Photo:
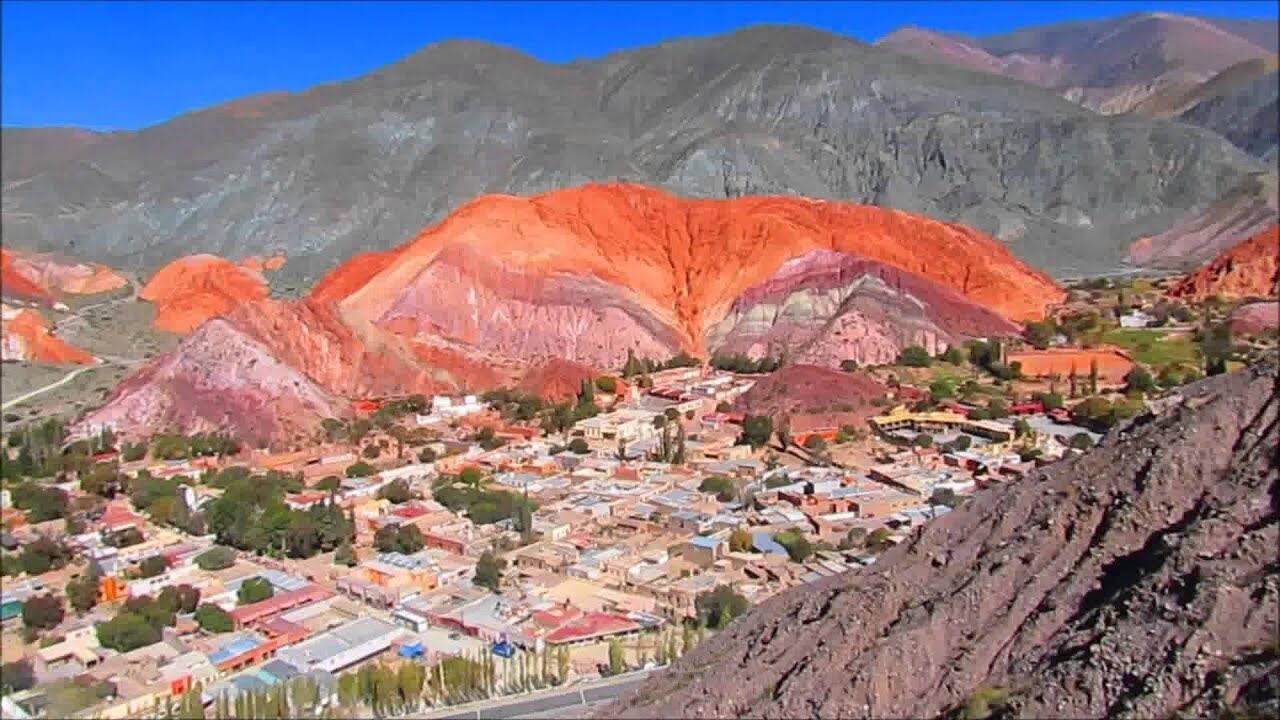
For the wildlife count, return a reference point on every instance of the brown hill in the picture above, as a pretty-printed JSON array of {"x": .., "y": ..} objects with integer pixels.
[
  {"x": 587, "y": 274},
  {"x": 1138, "y": 580},
  {"x": 1250, "y": 269}
]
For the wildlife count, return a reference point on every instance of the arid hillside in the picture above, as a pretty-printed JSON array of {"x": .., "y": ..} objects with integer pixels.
[
  {"x": 1249, "y": 269},
  {"x": 1138, "y": 580}
]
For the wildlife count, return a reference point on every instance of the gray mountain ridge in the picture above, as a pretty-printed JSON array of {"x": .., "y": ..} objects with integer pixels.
[{"x": 365, "y": 163}]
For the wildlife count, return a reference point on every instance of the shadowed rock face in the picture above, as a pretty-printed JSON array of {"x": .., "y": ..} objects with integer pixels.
[
  {"x": 1139, "y": 580},
  {"x": 359, "y": 165}
]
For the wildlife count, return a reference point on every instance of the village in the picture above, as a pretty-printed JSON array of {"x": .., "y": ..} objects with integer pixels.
[{"x": 497, "y": 542}]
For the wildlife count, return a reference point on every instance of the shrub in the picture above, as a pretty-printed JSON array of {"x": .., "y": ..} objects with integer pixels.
[
  {"x": 489, "y": 571},
  {"x": 254, "y": 590},
  {"x": 216, "y": 558},
  {"x": 214, "y": 619},
  {"x": 848, "y": 365},
  {"x": 914, "y": 356},
  {"x": 797, "y": 545},
  {"x": 360, "y": 468},
  {"x": 579, "y": 446},
  {"x": 815, "y": 443},
  {"x": 606, "y": 384},
  {"x": 723, "y": 487},
  {"x": 42, "y": 612},
  {"x": 152, "y": 566}
]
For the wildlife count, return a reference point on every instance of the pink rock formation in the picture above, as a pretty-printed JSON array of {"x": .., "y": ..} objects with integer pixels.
[
  {"x": 1255, "y": 318},
  {"x": 73, "y": 278}
]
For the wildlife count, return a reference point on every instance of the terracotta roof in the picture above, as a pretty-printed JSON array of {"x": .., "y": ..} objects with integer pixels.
[{"x": 592, "y": 624}]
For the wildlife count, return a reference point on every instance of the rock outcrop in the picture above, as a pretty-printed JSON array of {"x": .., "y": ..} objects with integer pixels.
[
  {"x": 192, "y": 289},
  {"x": 557, "y": 380},
  {"x": 1255, "y": 318},
  {"x": 1138, "y": 580},
  {"x": 55, "y": 277},
  {"x": 25, "y": 335},
  {"x": 1250, "y": 269}
]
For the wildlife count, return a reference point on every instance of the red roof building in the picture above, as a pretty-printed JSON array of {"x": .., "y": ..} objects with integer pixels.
[
  {"x": 255, "y": 612},
  {"x": 117, "y": 516},
  {"x": 592, "y": 626}
]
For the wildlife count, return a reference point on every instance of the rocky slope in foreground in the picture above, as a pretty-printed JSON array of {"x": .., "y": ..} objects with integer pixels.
[
  {"x": 1139, "y": 580},
  {"x": 587, "y": 274}
]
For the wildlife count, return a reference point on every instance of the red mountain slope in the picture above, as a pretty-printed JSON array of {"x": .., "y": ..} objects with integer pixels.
[{"x": 1249, "y": 269}]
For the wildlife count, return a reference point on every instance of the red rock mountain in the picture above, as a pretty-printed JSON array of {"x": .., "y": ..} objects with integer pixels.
[
  {"x": 1249, "y": 269},
  {"x": 25, "y": 335},
  {"x": 41, "y": 277},
  {"x": 192, "y": 289},
  {"x": 589, "y": 273}
]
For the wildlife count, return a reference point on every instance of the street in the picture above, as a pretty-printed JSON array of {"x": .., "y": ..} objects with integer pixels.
[{"x": 572, "y": 702}]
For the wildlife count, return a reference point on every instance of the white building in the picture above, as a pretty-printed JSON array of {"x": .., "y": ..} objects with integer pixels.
[
  {"x": 627, "y": 425},
  {"x": 1136, "y": 319},
  {"x": 343, "y": 646},
  {"x": 444, "y": 408}
]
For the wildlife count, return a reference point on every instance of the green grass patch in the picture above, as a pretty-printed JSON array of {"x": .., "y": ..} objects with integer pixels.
[{"x": 1156, "y": 348}]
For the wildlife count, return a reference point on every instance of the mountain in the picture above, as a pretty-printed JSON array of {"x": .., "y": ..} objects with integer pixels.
[
  {"x": 1137, "y": 580},
  {"x": 1249, "y": 269},
  {"x": 358, "y": 165},
  {"x": 593, "y": 273},
  {"x": 1112, "y": 65},
  {"x": 192, "y": 289},
  {"x": 37, "y": 277},
  {"x": 25, "y": 335},
  {"x": 1247, "y": 208}
]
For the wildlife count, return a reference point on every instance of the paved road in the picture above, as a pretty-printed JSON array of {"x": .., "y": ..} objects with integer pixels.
[{"x": 568, "y": 703}]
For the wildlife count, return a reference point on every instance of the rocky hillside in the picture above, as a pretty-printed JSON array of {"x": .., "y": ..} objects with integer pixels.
[
  {"x": 1139, "y": 580},
  {"x": 359, "y": 165},
  {"x": 1249, "y": 207},
  {"x": 591, "y": 273},
  {"x": 1112, "y": 65},
  {"x": 1249, "y": 269}
]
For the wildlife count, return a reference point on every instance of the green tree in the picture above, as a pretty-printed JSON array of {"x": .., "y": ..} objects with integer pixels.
[
  {"x": 941, "y": 389},
  {"x": 42, "y": 612},
  {"x": 740, "y": 541},
  {"x": 996, "y": 409},
  {"x": 914, "y": 356},
  {"x": 878, "y": 540},
  {"x": 396, "y": 492},
  {"x": 17, "y": 676},
  {"x": 1040, "y": 333},
  {"x": 723, "y": 487},
  {"x": 127, "y": 631},
  {"x": 214, "y": 619},
  {"x": 329, "y": 483},
  {"x": 953, "y": 355},
  {"x": 488, "y": 572},
  {"x": 562, "y": 664},
  {"x": 579, "y": 446},
  {"x": 945, "y": 496},
  {"x": 216, "y": 558},
  {"x": 344, "y": 555},
  {"x": 82, "y": 592},
  {"x": 360, "y": 468},
  {"x": 1021, "y": 428},
  {"x": 720, "y": 606},
  {"x": 42, "y": 555},
  {"x": 254, "y": 590},
  {"x": 797, "y": 545},
  {"x": 1050, "y": 400},
  {"x": 617, "y": 663},
  {"x": 1080, "y": 441},
  {"x": 1139, "y": 379},
  {"x": 152, "y": 566},
  {"x": 756, "y": 430},
  {"x": 923, "y": 440}
]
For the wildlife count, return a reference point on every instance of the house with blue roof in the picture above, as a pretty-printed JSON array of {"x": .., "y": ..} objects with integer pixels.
[{"x": 763, "y": 542}]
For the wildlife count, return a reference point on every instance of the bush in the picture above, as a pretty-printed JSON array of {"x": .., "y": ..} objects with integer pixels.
[
  {"x": 756, "y": 430},
  {"x": 723, "y": 487},
  {"x": 922, "y": 440},
  {"x": 579, "y": 446},
  {"x": 489, "y": 571},
  {"x": 329, "y": 483},
  {"x": 740, "y": 541},
  {"x": 214, "y": 619},
  {"x": 953, "y": 356},
  {"x": 1139, "y": 379},
  {"x": 1080, "y": 441},
  {"x": 606, "y": 384},
  {"x": 815, "y": 443},
  {"x": 797, "y": 545},
  {"x": 42, "y": 555},
  {"x": 396, "y": 492},
  {"x": 360, "y": 468},
  {"x": 1050, "y": 400},
  {"x": 849, "y": 365},
  {"x": 128, "y": 631},
  {"x": 254, "y": 590},
  {"x": 914, "y": 356},
  {"x": 717, "y": 608},
  {"x": 371, "y": 451},
  {"x": 17, "y": 676},
  {"x": 152, "y": 566},
  {"x": 42, "y": 612},
  {"x": 216, "y": 558}
]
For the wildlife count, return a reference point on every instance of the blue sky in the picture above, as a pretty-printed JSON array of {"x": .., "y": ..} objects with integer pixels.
[{"x": 124, "y": 65}]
